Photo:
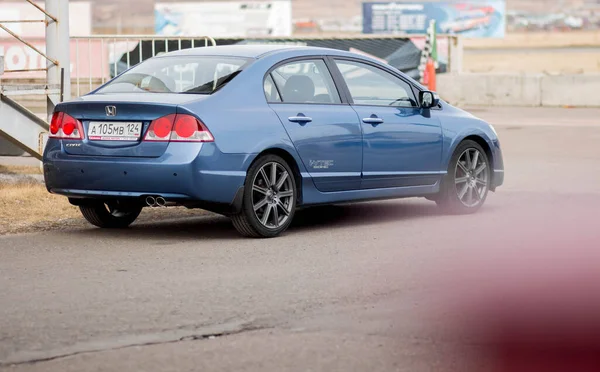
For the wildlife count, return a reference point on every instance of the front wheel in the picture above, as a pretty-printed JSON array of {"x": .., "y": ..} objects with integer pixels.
[
  {"x": 269, "y": 199},
  {"x": 465, "y": 187},
  {"x": 113, "y": 215}
]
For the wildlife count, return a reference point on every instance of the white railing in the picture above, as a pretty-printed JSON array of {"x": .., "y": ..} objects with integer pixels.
[
  {"x": 98, "y": 57},
  {"x": 19, "y": 125},
  {"x": 53, "y": 85}
]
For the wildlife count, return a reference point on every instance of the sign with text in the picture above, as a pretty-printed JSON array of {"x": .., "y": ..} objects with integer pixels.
[
  {"x": 224, "y": 19},
  {"x": 474, "y": 18},
  {"x": 93, "y": 58}
]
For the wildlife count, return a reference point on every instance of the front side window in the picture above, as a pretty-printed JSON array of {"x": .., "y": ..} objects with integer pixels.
[
  {"x": 370, "y": 85},
  {"x": 305, "y": 82},
  {"x": 193, "y": 74}
]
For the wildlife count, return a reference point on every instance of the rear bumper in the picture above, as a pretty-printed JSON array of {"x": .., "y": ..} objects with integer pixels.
[{"x": 185, "y": 173}]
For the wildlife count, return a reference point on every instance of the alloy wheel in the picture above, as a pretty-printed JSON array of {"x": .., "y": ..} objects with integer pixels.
[
  {"x": 471, "y": 177},
  {"x": 272, "y": 195}
]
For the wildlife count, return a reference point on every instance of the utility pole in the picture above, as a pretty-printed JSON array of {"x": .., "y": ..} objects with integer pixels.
[{"x": 58, "y": 49}]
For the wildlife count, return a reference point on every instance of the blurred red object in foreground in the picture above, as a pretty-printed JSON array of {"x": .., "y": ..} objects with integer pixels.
[{"x": 532, "y": 309}]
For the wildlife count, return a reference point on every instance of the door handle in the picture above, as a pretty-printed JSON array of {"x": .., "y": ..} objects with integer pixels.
[
  {"x": 300, "y": 119},
  {"x": 373, "y": 121}
]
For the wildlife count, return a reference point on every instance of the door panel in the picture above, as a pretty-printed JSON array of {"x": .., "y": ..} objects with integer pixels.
[
  {"x": 326, "y": 134},
  {"x": 404, "y": 150},
  {"x": 330, "y": 144},
  {"x": 401, "y": 146}
]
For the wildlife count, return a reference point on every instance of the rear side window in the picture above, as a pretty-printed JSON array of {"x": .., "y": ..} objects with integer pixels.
[
  {"x": 307, "y": 81},
  {"x": 271, "y": 90},
  {"x": 193, "y": 74}
]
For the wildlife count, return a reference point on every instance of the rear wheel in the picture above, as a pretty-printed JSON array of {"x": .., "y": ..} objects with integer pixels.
[
  {"x": 466, "y": 186},
  {"x": 113, "y": 215},
  {"x": 269, "y": 199}
]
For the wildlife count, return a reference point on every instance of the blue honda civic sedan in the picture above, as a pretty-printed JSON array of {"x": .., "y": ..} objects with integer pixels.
[{"x": 256, "y": 132}]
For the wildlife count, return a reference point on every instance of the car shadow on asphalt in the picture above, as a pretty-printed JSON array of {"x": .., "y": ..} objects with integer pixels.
[
  {"x": 209, "y": 227},
  {"x": 361, "y": 214}
]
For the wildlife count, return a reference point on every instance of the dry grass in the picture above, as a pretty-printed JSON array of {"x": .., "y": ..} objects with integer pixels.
[
  {"x": 28, "y": 207},
  {"x": 19, "y": 169},
  {"x": 23, "y": 206}
]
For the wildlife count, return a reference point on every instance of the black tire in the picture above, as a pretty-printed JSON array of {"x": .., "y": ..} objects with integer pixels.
[
  {"x": 111, "y": 216},
  {"x": 247, "y": 222},
  {"x": 449, "y": 197}
]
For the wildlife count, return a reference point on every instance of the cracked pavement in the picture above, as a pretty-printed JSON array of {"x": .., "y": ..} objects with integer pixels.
[{"x": 347, "y": 288}]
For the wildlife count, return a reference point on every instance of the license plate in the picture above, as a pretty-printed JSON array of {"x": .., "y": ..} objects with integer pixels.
[{"x": 114, "y": 131}]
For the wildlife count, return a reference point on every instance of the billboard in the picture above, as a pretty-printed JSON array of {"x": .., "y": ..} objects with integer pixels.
[
  {"x": 224, "y": 19},
  {"x": 471, "y": 18}
]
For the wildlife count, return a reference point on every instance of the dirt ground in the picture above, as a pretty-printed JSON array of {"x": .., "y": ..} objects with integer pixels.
[
  {"x": 19, "y": 169},
  {"x": 549, "y": 53},
  {"x": 537, "y": 40},
  {"x": 533, "y": 61}
]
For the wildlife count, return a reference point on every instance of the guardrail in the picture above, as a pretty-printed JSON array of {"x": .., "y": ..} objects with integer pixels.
[{"x": 100, "y": 57}]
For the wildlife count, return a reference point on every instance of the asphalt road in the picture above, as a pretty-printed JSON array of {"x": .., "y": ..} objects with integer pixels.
[{"x": 347, "y": 288}]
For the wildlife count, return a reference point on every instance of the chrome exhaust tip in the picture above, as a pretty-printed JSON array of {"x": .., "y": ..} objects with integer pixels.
[
  {"x": 150, "y": 201},
  {"x": 161, "y": 202}
]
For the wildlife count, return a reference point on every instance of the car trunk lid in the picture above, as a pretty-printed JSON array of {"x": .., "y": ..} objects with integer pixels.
[{"x": 115, "y": 124}]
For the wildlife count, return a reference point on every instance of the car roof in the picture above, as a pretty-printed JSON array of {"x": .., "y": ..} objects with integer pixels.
[{"x": 247, "y": 51}]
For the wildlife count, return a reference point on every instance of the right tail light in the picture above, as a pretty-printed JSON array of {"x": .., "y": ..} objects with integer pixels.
[{"x": 178, "y": 128}]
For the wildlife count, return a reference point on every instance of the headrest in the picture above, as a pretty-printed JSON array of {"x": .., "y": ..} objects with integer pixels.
[{"x": 298, "y": 88}]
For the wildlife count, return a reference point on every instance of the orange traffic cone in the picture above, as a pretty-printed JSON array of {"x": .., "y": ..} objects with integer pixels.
[{"x": 430, "y": 74}]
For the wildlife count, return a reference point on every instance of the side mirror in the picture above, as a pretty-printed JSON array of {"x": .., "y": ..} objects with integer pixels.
[{"x": 428, "y": 99}]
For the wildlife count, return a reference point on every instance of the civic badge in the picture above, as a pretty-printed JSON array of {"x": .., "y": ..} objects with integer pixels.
[{"x": 111, "y": 110}]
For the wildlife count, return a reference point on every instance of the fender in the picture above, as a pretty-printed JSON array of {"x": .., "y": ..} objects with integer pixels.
[
  {"x": 286, "y": 146},
  {"x": 457, "y": 138}
]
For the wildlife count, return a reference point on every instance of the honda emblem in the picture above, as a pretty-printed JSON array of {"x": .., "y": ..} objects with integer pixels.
[{"x": 111, "y": 111}]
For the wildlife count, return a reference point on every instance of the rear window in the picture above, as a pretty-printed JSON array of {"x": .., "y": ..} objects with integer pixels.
[{"x": 194, "y": 75}]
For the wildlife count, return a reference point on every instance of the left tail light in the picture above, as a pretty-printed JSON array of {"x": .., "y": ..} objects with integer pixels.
[{"x": 64, "y": 126}]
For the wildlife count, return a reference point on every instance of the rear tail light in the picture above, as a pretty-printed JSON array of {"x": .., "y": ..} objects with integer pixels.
[
  {"x": 178, "y": 128},
  {"x": 64, "y": 126},
  {"x": 190, "y": 129},
  {"x": 160, "y": 129}
]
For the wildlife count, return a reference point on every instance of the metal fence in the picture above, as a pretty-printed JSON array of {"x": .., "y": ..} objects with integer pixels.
[{"x": 96, "y": 59}]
